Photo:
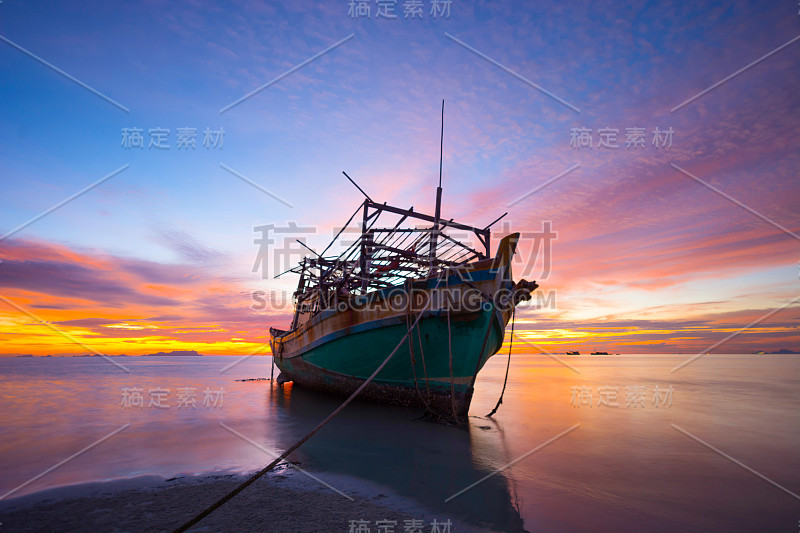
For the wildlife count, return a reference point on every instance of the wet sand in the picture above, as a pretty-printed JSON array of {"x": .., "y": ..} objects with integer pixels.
[{"x": 286, "y": 500}]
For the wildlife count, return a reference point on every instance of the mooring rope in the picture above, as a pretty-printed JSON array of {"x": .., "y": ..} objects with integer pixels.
[
  {"x": 508, "y": 364},
  {"x": 430, "y": 413},
  {"x": 219, "y": 503},
  {"x": 411, "y": 353}
]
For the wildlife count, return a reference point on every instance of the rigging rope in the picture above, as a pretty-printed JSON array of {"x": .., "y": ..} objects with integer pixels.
[
  {"x": 422, "y": 353},
  {"x": 450, "y": 346},
  {"x": 411, "y": 351},
  {"x": 508, "y": 365}
]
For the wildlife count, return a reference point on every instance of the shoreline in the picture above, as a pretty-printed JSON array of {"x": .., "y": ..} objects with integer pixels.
[{"x": 283, "y": 500}]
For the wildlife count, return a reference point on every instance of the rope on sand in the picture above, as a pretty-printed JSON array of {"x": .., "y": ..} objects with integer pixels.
[{"x": 219, "y": 503}]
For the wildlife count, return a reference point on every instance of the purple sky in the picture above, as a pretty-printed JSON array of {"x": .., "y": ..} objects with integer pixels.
[{"x": 648, "y": 258}]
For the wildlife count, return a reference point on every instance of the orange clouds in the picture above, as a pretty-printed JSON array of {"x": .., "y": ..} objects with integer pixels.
[{"x": 119, "y": 305}]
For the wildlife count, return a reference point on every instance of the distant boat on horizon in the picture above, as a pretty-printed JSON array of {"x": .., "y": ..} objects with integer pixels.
[
  {"x": 576, "y": 352},
  {"x": 599, "y": 353}
]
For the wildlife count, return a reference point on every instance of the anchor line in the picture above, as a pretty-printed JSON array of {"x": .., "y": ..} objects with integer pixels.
[
  {"x": 508, "y": 364},
  {"x": 219, "y": 503}
]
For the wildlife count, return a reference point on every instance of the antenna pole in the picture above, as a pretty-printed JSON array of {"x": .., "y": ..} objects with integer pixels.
[
  {"x": 435, "y": 232},
  {"x": 441, "y": 147}
]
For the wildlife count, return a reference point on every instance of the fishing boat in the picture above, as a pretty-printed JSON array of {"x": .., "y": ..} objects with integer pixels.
[
  {"x": 574, "y": 353},
  {"x": 418, "y": 293}
]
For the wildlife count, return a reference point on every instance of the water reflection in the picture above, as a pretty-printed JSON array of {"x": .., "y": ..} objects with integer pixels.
[{"x": 394, "y": 447}]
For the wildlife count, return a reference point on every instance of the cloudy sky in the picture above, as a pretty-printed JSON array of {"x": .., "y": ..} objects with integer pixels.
[{"x": 677, "y": 227}]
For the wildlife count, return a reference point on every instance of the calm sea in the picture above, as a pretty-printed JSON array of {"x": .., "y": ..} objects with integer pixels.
[{"x": 615, "y": 443}]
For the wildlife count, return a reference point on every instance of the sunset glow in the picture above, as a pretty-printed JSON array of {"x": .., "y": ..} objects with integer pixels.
[{"x": 161, "y": 256}]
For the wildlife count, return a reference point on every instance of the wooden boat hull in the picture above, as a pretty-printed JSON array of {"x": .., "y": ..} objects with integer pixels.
[
  {"x": 337, "y": 350},
  {"x": 403, "y": 382}
]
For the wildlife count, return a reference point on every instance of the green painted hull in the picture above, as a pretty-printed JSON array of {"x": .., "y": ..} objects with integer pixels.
[{"x": 418, "y": 374}]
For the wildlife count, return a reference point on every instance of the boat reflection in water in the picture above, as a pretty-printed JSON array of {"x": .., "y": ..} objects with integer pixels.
[{"x": 395, "y": 448}]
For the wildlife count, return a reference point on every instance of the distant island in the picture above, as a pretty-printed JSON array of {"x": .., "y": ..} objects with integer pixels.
[
  {"x": 176, "y": 353},
  {"x": 781, "y": 351}
]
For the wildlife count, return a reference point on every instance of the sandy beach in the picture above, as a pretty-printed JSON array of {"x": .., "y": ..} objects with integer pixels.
[{"x": 286, "y": 500}]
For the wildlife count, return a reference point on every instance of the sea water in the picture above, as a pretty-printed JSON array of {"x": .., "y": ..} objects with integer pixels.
[{"x": 580, "y": 443}]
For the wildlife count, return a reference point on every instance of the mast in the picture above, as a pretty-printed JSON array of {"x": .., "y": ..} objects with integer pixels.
[{"x": 437, "y": 214}]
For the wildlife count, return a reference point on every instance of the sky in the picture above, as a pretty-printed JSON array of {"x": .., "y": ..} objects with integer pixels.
[{"x": 677, "y": 228}]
